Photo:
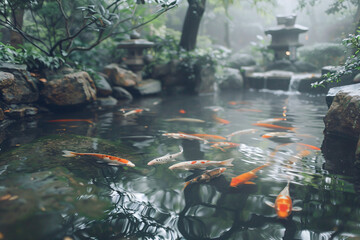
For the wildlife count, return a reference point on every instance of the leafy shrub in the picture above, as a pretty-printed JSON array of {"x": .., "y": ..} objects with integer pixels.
[
  {"x": 352, "y": 63},
  {"x": 34, "y": 60},
  {"x": 167, "y": 49},
  {"x": 322, "y": 54}
]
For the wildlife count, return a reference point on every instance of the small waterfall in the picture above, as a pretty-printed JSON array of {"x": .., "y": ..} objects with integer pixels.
[{"x": 296, "y": 79}]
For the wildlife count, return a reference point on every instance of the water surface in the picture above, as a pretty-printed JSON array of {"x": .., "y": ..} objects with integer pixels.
[{"x": 47, "y": 196}]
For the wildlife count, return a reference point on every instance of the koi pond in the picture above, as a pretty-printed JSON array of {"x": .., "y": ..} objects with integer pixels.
[{"x": 45, "y": 195}]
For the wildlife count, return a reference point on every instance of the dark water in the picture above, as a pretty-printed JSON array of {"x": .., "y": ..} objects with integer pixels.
[{"x": 46, "y": 196}]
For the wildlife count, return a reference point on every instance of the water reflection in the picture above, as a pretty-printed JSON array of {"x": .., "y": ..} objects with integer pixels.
[{"x": 147, "y": 202}]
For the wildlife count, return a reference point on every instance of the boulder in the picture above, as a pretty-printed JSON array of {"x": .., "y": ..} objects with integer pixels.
[
  {"x": 70, "y": 90},
  {"x": 239, "y": 60},
  {"x": 352, "y": 89},
  {"x": 106, "y": 101},
  {"x": 232, "y": 79},
  {"x": 146, "y": 87},
  {"x": 119, "y": 76},
  {"x": 102, "y": 85},
  {"x": 121, "y": 93},
  {"x": 6, "y": 79},
  {"x": 343, "y": 116},
  {"x": 23, "y": 89}
]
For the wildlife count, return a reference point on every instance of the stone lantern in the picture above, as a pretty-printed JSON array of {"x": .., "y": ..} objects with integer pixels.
[
  {"x": 285, "y": 37},
  {"x": 135, "y": 58}
]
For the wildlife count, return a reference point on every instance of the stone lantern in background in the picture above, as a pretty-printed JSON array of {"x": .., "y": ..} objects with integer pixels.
[
  {"x": 135, "y": 61},
  {"x": 285, "y": 37}
]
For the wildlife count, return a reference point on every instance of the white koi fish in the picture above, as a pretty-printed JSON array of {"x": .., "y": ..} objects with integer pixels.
[
  {"x": 195, "y": 120},
  {"x": 245, "y": 131},
  {"x": 283, "y": 203},
  {"x": 167, "y": 158},
  {"x": 184, "y": 136},
  {"x": 271, "y": 120},
  {"x": 201, "y": 164}
]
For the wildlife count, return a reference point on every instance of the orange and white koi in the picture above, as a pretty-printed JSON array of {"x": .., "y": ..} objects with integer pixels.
[
  {"x": 299, "y": 156},
  {"x": 271, "y": 120},
  {"x": 245, "y": 177},
  {"x": 267, "y": 125},
  {"x": 184, "y": 136},
  {"x": 167, "y": 158},
  {"x": 222, "y": 145},
  {"x": 220, "y": 120},
  {"x": 201, "y": 164},
  {"x": 184, "y": 120},
  {"x": 206, "y": 176},
  {"x": 139, "y": 110},
  {"x": 283, "y": 203},
  {"x": 208, "y": 136},
  {"x": 112, "y": 160},
  {"x": 72, "y": 120},
  {"x": 245, "y": 131}
]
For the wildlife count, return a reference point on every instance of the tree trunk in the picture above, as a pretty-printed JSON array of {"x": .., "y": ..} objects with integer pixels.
[
  {"x": 15, "y": 38},
  {"x": 191, "y": 25}
]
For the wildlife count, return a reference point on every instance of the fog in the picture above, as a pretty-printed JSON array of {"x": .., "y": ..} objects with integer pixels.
[{"x": 246, "y": 22}]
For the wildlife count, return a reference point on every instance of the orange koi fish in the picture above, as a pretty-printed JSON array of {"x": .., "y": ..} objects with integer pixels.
[
  {"x": 206, "y": 176},
  {"x": 116, "y": 161},
  {"x": 245, "y": 177},
  {"x": 236, "y": 103},
  {"x": 182, "y": 111},
  {"x": 201, "y": 164},
  {"x": 283, "y": 203},
  {"x": 267, "y": 125},
  {"x": 72, "y": 120},
  {"x": 220, "y": 120},
  {"x": 309, "y": 146},
  {"x": 222, "y": 145},
  {"x": 271, "y": 120},
  {"x": 208, "y": 136}
]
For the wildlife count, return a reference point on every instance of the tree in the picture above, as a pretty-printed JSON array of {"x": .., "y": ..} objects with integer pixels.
[
  {"x": 191, "y": 24},
  {"x": 59, "y": 27}
]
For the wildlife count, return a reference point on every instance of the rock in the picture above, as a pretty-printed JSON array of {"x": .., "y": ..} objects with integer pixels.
[
  {"x": 239, "y": 60},
  {"x": 343, "y": 116},
  {"x": 21, "y": 111},
  {"x": 357, "y": 78},
  {"x": 102, "y": 85},
  {"x": 146, "y": 87},
  {"x": 6, "y": 79},
  {"x": 162, "y": 70},
  {"x": 70, "y": 90},
  {"x": 119, "y": 76},
  {"x": 274, "y": 80},
  {"x": 2, "y": 115},
  {"x": 352, "y": 89},
  {"x": 204, "y": 81},
  {"x": 121, "y": 93},
  {"x": 106, "y": 101},
  {"x": 344, "y": 80},
  {"x": 23, "y": 89},
  {"x": 232, "y": 79}
]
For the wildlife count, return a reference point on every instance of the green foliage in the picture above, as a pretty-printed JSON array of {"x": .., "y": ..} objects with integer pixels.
[
  {"x": 322, "y": 54},
  {"x": 167, "y": 49},
  {"x": 33, "y": 59},
  {"x": 352, "y": 63}
]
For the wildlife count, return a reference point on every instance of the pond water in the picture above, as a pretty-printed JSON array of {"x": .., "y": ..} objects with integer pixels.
[{"x": 44, "y": 195}]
